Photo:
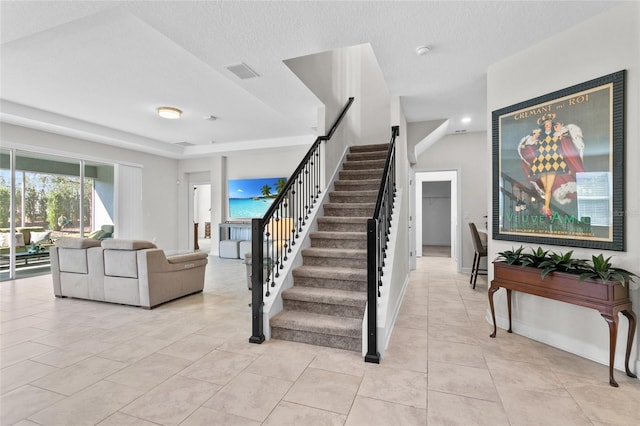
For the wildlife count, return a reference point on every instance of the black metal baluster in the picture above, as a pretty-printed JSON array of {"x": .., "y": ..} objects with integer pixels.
[{"x": 277, "y": 231}]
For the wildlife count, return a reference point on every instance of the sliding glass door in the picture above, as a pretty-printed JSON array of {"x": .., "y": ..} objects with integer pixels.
[{"x": 44, "y": 198}]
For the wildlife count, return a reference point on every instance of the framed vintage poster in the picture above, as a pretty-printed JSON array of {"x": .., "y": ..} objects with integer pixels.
[{"x": 558, "y": 167}]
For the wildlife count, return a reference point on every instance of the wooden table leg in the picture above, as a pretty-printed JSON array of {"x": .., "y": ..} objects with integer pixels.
[
  {"x": 493, "y": 311},
  {"x": 632, "y": 332},
  {"x": 509, "y": 308},
  {"x": 613, "y": 335}
]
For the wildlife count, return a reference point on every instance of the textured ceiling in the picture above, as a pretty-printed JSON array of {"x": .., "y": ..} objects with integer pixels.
[{"x": 98, "y": 69}]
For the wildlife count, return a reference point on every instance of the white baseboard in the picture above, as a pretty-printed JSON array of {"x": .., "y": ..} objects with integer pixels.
[{"x": 564, "y": 342}]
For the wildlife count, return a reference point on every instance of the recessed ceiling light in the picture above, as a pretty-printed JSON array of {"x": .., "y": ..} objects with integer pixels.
[
  {"x": 466, "y": 120},
  {"x": 169, "y": 112},
  {"x": 422, "y": 50}
]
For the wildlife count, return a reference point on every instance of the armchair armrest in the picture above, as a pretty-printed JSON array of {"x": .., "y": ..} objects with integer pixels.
[
  {"x": 187, "y": 257},
  {"x": 165, "y": 278},
  {"x": 158, "y": 262}
]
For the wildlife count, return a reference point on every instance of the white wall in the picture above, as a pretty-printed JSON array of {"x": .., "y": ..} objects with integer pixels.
[
  {"x": 239, "y": 165},
  {"x": 602, "y": 45},
  {"x": 335, "y": 76},
  {"x": 401, "y": 253},
  {"x": 325, "y": 74},
  {"x": 375, "y": 102},
  {"x": 159, "y": 205},
  {"x": 464, "y": 153}
]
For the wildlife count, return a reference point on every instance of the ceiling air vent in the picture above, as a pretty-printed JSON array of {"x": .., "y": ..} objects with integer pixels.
[
  {"x": 461, "y": 131},
  {"x": 185, "y": 144},
  {"x": 243, "y": 71}
]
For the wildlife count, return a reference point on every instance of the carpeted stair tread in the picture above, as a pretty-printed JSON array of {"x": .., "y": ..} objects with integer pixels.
[
  {"x": 349, "y": 209},
  {"x": 344, "y": 274},
  {"x": 326, "y": 296},
  {"x": 360, "y": 182},
  {"x": 344, "y": 219},
  {"x": 343, "y": 223},
  {"x": 317, "y": 323},
  {"x": 362, "y": 156},
  {"x": 364, "y": 164},
  {"x": 343, "y": 197},
  {"x": 368, "y": 148},
  {"x": 357, "y": 184},
  {"x": 360, "y": 173},
  {"x": 351, "y": 205},
  {"x": 339, "y": 235},
  {"x": 332, "y": 252},
  {"x": 371, "y": 192}
]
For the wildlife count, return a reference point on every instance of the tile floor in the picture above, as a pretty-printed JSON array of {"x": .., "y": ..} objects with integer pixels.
[{"x": 74, "y": 362}]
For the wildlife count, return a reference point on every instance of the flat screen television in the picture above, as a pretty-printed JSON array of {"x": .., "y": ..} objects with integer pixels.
[{"x": 249, "y": 198}]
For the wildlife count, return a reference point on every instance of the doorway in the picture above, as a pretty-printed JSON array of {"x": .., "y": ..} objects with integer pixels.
[
  {"x": 436, "y": 219},
  {"x": 437, "y": 213},
  {"x": 202, "y": 217}
]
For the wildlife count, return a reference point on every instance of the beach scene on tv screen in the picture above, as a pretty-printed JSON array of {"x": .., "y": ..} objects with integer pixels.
[{"x": 249, "y": 198}]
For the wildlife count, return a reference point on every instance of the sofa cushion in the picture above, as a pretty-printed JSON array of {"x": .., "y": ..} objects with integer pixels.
[
  {"x": 77, "y": 243},
  {"x": 96, "y": 235},
  {"x": 72, "y": 260},
  {"x": 119, "y": 244},
  {"x": 40, "y": 237},
  {"x": 121, "y": 263},
  {"x": 5, "y": 239}
]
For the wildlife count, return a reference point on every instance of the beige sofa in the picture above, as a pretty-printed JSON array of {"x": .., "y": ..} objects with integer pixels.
[{"x": 130, "y": 272}]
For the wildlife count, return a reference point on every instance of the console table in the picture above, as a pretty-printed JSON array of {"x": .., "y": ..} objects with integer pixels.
[
  {"x": 27, "y": 255},
  {"x": 608, "y": 298}
]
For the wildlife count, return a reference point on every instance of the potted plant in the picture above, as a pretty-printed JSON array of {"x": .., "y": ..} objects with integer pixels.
[
  {"x": 535, "y": 258},
  {"x": 564, "y": 262},
  {"x": 602, "y": 268}
]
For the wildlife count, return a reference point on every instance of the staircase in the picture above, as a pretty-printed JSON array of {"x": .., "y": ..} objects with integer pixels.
[{"x": 326, "y": 304}]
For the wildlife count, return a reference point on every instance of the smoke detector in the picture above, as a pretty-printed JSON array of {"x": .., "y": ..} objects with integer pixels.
[{"x": 422, "y": 50}]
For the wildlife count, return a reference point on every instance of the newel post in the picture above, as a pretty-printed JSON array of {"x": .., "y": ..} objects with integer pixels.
[
  {"x": 372, "y": 355},
  {"x": 257, "y": 279}
]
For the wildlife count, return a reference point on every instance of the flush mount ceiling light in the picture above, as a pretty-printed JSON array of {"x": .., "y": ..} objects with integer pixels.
[
  {"x": 422, "y": 50},
  {"x": 466, "y": 120},
  {"x": 169, "y": 112}
]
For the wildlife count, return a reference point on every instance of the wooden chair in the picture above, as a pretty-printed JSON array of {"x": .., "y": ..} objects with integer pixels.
[{"x": 480, "y": 251}]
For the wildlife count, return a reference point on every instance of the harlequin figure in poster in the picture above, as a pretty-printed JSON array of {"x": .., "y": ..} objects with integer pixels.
[{"x": 551, "y": 156}]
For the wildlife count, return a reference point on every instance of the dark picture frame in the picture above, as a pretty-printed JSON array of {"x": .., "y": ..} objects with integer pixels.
[{"x": 558, "y": 167}]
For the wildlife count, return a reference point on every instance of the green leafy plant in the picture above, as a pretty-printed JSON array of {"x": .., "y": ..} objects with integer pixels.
[
  {"x": 535, "y": 258},
  {"x": 562, "y": 263},
  {"x": 512, "y": 257},
  {"x": 601, "y": 268}
]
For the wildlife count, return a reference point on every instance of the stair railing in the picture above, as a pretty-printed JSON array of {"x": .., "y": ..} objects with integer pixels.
[
  {"x": 274, "y": 235},
  {"x": 378, "y": 230}
]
